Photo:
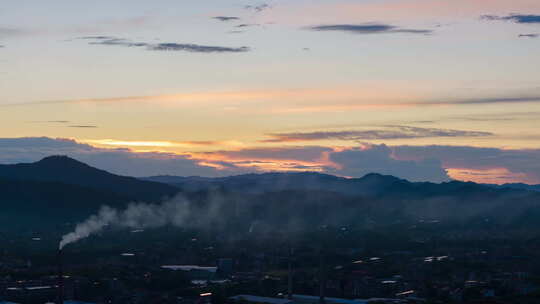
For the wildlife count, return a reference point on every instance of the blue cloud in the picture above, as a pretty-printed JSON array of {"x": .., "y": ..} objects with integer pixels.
[
  {"x": 258, "y": 8},
  {"x": 528, "y": 35},
  {"x": 390, "y": 132},
  {"x": 226, "y": 18},
  {"x": 196, "y": 48},
  {"x": 518, "y": 18},
  {"x": 368, "y": 28},
  {"x": 166, "y": 46}
]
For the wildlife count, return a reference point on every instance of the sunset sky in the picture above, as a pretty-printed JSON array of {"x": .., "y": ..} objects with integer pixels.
[{"x": 428, "y": 90}]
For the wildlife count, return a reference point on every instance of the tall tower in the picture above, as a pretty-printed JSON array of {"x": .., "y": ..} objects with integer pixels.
[
  {"x": 290, "y": 274},
  {"x": 322, "y": 276},
  {"x": 60, "y": 294}
]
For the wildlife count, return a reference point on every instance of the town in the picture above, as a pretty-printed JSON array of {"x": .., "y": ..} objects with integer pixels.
[{"x": 170, "y": 266}]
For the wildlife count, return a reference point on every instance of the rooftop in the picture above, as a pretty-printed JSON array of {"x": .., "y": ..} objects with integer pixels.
[
  {"x": 190, "y": 267},
  {"x": 258, "y": 299}
]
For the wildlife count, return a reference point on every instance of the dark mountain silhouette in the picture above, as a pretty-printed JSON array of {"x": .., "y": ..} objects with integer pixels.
[
  {"x": 520, "y": 186},
  {"x": 34, "y": 204},
  {"x": 70, "y": 171},
  {"x": 372, "y": 184},
  {"x": 267, "y": 182}
]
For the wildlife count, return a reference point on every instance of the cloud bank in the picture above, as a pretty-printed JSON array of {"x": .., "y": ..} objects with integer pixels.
[
  {"x": 416, "y": 163},
  {"x": 525, "y": 162},
  {"x": 356, "y": 162},
  {"x": 118, "y": 160}
]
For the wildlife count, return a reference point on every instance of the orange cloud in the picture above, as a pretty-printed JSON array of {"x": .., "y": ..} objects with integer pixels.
[
  {"x": 126, "y": 143},
  {"x": 490, "y": 176},
  {"x": 365, "y": 96},
  {"x": 158, "y": 146},
  {"x": 270, "y": 159},
  {"x": 338, "y": 98},
  {"x": 342, "y": 108},
  {"x": 370, "y": 96}
]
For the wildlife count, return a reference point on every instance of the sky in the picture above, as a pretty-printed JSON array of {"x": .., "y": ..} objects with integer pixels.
[{"x": 427, "y": 90}]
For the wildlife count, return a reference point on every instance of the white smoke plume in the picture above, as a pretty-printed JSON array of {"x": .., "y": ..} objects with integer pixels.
[{"x": 137, "y": 215}]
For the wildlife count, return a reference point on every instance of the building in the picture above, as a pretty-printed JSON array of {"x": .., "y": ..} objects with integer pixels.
[
  {"x": 306, "y": 299},
  {"x": 195, "y": 272},
  {"x": 225, "y": 267},
  {"x": 259, "y": 300}
]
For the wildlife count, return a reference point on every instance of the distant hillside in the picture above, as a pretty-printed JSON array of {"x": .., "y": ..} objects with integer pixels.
[
  {"x": 32, "y": 204},
  {"x": 518, "y": 186},
  {"x": 372, "y": 184},
  {"x": 305, "y": 199},
  {"x": 70, "y": 171}
]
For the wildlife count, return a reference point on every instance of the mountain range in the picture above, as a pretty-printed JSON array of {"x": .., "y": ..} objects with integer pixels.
[
  {"x": 370, "y": 184},
  {"x": 59, "y": 190}
]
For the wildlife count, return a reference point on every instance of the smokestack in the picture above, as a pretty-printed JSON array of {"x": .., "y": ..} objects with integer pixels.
[
  {"x": 322, "y": 277},
  {"x": 60, "y": 295},
  {"x": 290, "y": 278}
]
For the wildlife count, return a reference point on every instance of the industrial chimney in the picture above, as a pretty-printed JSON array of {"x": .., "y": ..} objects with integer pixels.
[
  {"x": 60, "y": 295},
  {"x": 322, "y": 277},
  {"x": 290, "y": 276}
]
